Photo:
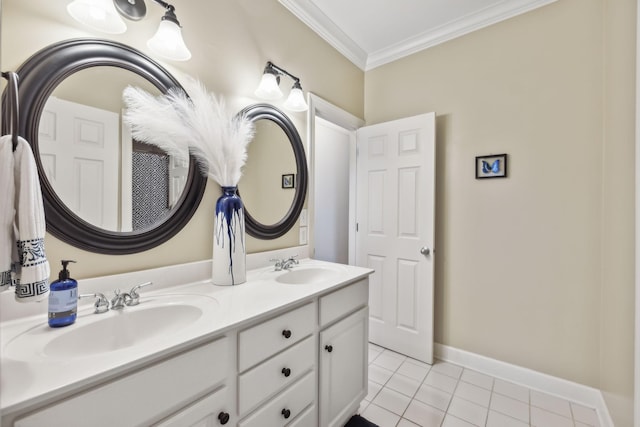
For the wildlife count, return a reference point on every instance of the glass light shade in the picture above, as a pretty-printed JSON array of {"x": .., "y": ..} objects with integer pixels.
[
  {"x": 168, "y": 42},
  {"x": 268, "y": 88},
  {"x": 100, "y": 15},
  {"x": 295, "y": 101}
]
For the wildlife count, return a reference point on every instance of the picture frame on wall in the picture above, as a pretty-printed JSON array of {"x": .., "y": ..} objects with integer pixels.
[
  {"x": 491, "y": 166},
  {"x": 288, "y": 181}
]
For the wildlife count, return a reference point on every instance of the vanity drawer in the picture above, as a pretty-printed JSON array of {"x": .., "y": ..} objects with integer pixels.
[
  {"x": 208, "y": 411},
  {"x": 267, "y": 378},
  {"x": 308, "y": 418},
  {"x": 261, "y": 341},
  {"x": 141, "y": 397},
  {"x": 343, "y": 301},
  {"x": 291, "y": 402}
]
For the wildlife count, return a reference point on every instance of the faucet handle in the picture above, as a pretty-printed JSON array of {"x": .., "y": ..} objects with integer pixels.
[
  {"x": 293, "y": 259},
  {"x": 102, "y": 303},
  {"x": 279, "y": 263},
  {"x": 135, "y": 296}
]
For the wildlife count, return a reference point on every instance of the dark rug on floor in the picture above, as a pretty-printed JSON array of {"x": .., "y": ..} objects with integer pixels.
[{"x": 358, "y": 421}]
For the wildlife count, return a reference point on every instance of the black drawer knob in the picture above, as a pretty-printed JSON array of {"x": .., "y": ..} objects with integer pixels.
[
  {"x": 286, "y": 413},
  {"x": 286, "y": 333},
  {"x": 329, "y": 348},
  {"x": 286, "y": 372},
  {"x": 223, "y": 417}
]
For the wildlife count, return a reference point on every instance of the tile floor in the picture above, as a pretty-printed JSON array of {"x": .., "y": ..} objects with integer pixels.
[{"x": 404, "y": 392}]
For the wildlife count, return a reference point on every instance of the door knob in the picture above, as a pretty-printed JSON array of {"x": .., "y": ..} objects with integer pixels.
[{"x": 425, "y": 251}]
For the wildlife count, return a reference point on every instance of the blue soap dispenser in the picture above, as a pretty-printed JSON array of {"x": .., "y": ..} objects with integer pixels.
[{"x": 63, "y": 298}]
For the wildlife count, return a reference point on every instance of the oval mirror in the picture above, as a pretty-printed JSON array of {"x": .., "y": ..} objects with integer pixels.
[
  {"x": 102, "y": 191},
  {"x": 274, "y": 182}
]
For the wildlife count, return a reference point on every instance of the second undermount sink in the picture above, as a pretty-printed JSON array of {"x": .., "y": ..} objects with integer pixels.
[
  {"x": 301, "y": 275},
  {"x": 94, "y": 334}
]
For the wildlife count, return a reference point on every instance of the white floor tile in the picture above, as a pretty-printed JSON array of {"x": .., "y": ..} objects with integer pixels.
[
  {"x": 363, "y": 406},
  {"x": 542, "y": 418},
  {"x": 375, "y": 347},
  {"x": 511, "y": 407},
  {"x": 405, "y": 385},
  {"x": 380, "y": 416},
  {"x": 392, "y": 401},
  {"x": 468, "y": 411},
  {"x": 585, "y": 415},
  {"x": 373, "y": 354},
  {"x": 411, "y": 369},
  {"x": 496, "y": 419},
  {"x": 423, "y": 415},
  {"x": 478, "y": 379},
  {"x": 372, "y": 390},
  {"x": 378, "y": 374},
  {"x": 434, "y": 397},
  {"x": 551, "y": 403},
  {"x": 451, "y": 421},
  {"x": 447, "y": 368},
  {"x": 389, "y": 360},
  {"x": 406, "y": 423},
  {"x": 511, "y": 390},
  {"x": 440, "y": 381},
  {"x": 473, "y": 393}
]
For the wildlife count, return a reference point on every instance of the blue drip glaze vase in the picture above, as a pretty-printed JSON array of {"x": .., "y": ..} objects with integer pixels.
[{"x": 229, "y": 252}]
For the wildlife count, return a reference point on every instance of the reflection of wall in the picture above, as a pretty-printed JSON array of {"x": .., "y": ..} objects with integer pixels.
[
  {"x": 231, "y": 41},
  {"x": 269, "y": 157},
  {"x": 536, "y": 269}
]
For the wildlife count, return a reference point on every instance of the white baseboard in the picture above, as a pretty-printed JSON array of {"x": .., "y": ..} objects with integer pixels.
[{"x": 582, "y": 394}]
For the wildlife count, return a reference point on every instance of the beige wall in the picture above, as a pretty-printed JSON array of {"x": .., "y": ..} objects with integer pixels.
[
  {"x": 230, "y": 40},
  {"x": 520, "y": 266}
]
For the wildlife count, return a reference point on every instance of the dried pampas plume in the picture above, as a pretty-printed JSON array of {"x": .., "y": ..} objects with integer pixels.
[{"x": 198, "y": 123}]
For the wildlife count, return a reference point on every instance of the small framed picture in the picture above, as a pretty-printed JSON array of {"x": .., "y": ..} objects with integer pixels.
[
  {"x": 493, "y": 166},
  {"x": 288, "y": 181}
]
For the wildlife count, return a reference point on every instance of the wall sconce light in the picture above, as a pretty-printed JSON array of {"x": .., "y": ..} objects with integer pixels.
[
  {"x": 269, "y": 88},
  {"x": 105, "y": 16}
]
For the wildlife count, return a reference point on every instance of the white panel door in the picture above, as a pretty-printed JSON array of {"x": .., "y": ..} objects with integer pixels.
[
  {"x": 395, "y": 215},
  {"x": 79, "y": 147}
]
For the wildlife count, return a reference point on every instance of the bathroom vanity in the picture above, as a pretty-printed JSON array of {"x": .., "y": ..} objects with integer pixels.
[{"x": 285, "y": 348}]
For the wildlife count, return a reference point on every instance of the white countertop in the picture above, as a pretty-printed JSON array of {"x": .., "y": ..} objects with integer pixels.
[{"x": 30, "y": 377}]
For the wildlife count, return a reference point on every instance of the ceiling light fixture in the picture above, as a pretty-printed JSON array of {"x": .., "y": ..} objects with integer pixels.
[
  {"x": 105, "y": 16},
  {"x": 269, "y": 88}
]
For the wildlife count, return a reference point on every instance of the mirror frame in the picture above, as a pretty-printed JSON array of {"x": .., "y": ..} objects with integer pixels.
[
  {"x": 253, "y": 227},
  {"x": 39, "y": 76}
]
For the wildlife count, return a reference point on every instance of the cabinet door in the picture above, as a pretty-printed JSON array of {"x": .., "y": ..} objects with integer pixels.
[
  {"x": 343, "y": 368},
  {"x": 211, "y": 411}
]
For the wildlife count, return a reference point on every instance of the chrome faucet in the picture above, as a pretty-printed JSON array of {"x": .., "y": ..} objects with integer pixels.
[
  {"x": 135, "y": 296},
  {"x": 102, "y": 303},
  {"x": 287, "y": 264},
  {"x": 120, "y": 300}
]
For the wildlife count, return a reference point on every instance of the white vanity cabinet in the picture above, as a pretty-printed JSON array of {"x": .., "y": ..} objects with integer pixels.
[
  {"x": 343, "y": 378},
  {"x": 303, "y": 364},
  {"x": 144, "y": 397}
]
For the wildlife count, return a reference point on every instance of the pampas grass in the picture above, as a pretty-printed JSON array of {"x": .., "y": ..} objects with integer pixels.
[{"x": 199, "y": 123}]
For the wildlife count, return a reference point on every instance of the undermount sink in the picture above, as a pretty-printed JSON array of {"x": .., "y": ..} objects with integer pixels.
[
  {"x": 301, "y": 275},
  {"x": 94, "y": 334}
]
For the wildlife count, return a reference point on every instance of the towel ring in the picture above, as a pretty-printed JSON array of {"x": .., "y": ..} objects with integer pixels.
[{"x": 12, "y": 98}]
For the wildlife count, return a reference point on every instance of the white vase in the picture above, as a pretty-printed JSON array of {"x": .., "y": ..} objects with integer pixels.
[{"x": 229, "y": 252}]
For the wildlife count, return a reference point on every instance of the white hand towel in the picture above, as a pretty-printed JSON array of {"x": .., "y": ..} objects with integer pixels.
[
  {"x": 32, "y": 272},
  {"x": 7, "y": 211}
]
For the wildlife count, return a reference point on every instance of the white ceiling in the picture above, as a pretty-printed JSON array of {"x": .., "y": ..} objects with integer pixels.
[{"x": 371, "y": 33}]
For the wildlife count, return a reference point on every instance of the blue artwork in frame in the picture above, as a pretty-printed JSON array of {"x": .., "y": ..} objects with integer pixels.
[{"x": 492, "y": 166}]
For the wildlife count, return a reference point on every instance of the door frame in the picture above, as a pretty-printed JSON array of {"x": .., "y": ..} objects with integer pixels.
[{"x": 319, "y": 107}]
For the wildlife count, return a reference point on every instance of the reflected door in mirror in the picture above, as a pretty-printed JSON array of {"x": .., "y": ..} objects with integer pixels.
[{"x": 79, "y": 150}]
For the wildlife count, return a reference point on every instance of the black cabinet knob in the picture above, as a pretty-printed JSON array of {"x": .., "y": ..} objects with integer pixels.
[
  {"x": 329, "y": 348},
  {"x": 286, "y": 413},
  {"x": 286, "y": 372},
  {"x": 286, "y": 333},
  {"x": 223, "y": 417}
]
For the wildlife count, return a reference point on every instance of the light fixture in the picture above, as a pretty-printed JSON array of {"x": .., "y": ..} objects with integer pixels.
[
  {"x": 269, "y": 88},
  {"x": 104, "y": 15}
]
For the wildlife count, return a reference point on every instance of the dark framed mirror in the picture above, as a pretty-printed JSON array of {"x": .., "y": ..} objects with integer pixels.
[
  {"x": 47, "y": 70},
  {"x": 274, "y": 183}
]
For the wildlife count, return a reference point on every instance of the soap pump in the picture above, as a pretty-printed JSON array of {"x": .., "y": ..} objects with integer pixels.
[{"x": 63, "y": 298}]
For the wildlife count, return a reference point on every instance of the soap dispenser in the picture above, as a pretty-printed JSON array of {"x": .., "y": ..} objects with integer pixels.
[{"x": 63, "y": 299}]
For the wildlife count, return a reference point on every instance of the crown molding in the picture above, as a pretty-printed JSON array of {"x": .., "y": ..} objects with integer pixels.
[{"x": 313, "y": 17}]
